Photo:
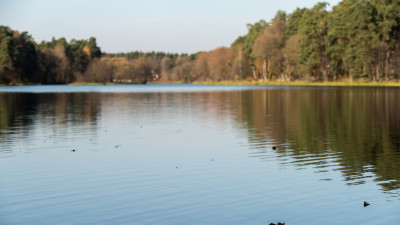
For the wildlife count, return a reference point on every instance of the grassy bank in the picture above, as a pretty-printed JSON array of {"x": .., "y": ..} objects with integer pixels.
[
  {"x": 77, "y": 84},
  {"x": 260, "y": 83},
  {"x": 307, "y": 83}
]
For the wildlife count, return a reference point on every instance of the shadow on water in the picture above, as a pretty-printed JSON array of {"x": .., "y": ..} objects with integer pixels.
[{"x": 352, "y": 130}]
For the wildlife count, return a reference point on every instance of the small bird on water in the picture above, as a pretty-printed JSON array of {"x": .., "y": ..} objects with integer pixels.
[
  {"x": 366, "y": 204},
  {"x": 273, "y": 147}
]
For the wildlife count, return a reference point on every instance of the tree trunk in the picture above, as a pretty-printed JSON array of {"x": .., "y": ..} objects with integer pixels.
[
  {"x": 240, "y": 64},
  {"x": 264, "y": 69},
  {"x": 254, "y": 73},
  {"x": 377, "y": 72},
  {"x": 363, "y": 69},
  {"x": 324, "y": 69},
  {"x": 387, "y": 65},
  {"x": 325, "y": 74},
  {"x": 283, "y": 77},
  {"x": 369, "y": 73}
]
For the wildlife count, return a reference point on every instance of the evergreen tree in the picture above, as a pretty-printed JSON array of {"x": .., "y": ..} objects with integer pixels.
[
  {"x": 294, "y": 21},
  {"x": 351, "y": 36},
  {"x": 388, "y": 24},
  {"x": 313, "y": 29}
]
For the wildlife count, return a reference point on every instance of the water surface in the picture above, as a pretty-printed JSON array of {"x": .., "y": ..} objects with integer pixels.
[{"x": 193, "y": 154}]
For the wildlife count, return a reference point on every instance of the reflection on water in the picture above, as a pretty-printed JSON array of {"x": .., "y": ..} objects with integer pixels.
[
  {"x": 134, "y": 142},
  {"x": 356, "y": 131}
]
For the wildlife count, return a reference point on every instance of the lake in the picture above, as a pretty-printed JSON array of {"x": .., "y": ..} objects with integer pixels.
[{"x": 193, "y": 154}]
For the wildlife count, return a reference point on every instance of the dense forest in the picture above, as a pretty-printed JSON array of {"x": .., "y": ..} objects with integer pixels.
[{"x": 356, "y": 39}]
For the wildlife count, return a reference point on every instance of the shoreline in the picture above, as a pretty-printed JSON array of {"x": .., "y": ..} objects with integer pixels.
[
  {"x": 307, "y": 83},
  {"x": 251, "y": 83}
]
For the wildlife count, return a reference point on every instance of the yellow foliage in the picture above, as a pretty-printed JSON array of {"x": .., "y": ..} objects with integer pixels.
[
  {"x": 120, "y": 66},
  {"x": 86, "y": 50}
]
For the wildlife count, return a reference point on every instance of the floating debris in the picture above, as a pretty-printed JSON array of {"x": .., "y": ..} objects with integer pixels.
[
  {"x": 117, "y": 146},
  {"x": 274, "y": 147},
  {"x": 73, "y": 150},
  {"x": 326, "y": 179},
  {"x": 279, "y": 223}
]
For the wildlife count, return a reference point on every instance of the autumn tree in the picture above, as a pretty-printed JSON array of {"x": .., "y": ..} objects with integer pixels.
[
  {"x": 201, "y": 68},
  {"x": 240, "y": 65},
  {"x": 246, "y": 43},
  {"x": 55, "y": 66},
  {"x": 183, "y": 70},
  {"x": 219, "y": 63},
  {"x": 167, "y": 64},
  {"x": 268, "y": 49},
  {"x": 98, "y": 71}
]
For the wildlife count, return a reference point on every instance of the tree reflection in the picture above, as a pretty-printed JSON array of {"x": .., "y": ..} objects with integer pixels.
[
  {"x": 353, "y": 130},
  {"x": 20, "y": 112},
  {"x": 360, "y": 126}
]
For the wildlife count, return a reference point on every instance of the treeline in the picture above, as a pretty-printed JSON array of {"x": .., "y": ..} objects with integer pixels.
[
  {"x": 356, "y": 39},
  {"x": 22, "y": 60},
  {"x": 151, "y": 55}
]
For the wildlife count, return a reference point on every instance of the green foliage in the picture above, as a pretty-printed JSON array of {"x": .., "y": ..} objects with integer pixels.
[
  {"x": 294, "y": 22},
  {"x": 95, "y": 50},
  {"x": 78, "y": 57},
  {"x": 388, "y": 20},
  {"x": 7, "y": 49},
  {"x": 313, "y": 29},
  {"x": 151, "y": 55},
  {"x": 280, "y": 15},
  {"x": 18, "y": 57},
  {"x": 248, "y": 40}
]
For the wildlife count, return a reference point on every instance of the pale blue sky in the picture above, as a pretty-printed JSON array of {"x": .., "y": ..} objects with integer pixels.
[{"x": 181, "y": 26}]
